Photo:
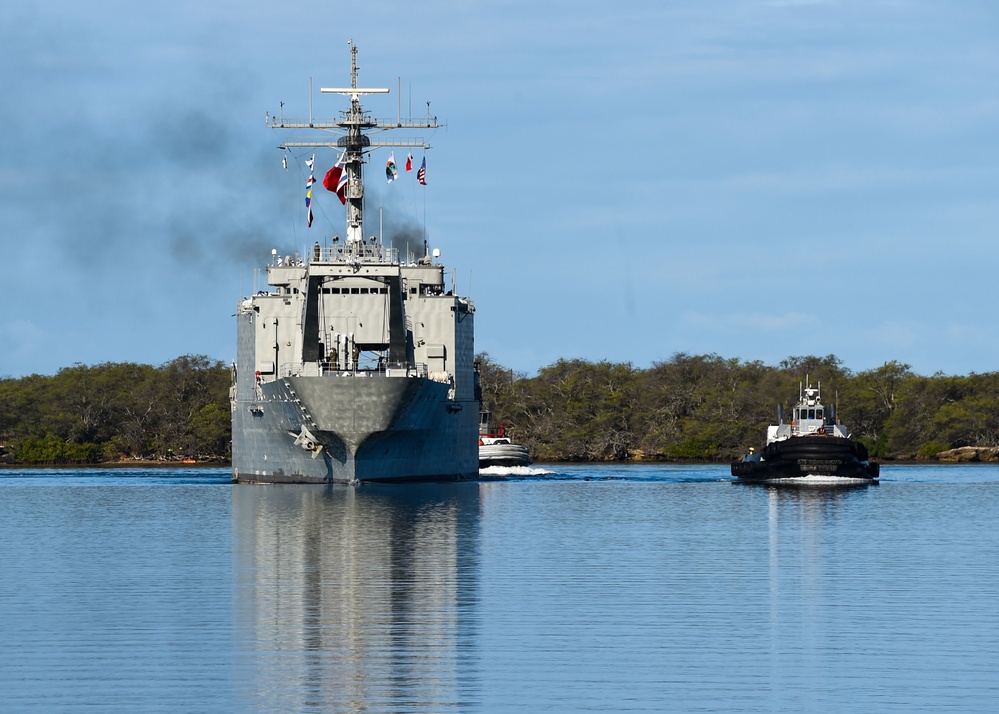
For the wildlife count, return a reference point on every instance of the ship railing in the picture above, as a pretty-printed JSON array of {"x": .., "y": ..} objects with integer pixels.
[
  {"x": 347, "y": 116},
  {"x": 339, "y": 253},
  {"x": 418, "y": 369}
]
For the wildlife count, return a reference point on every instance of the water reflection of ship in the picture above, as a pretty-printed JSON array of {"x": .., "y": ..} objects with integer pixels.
[
  {"x": 818, "y": 491},
  {"x": 802, "y": 570},
  {"x": 346, "y": 597}
]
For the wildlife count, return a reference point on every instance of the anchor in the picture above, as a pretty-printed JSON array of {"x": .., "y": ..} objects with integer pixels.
[{"x": 307, "y": 441}]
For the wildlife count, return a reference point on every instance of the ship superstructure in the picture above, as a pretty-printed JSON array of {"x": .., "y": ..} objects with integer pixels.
[{"x": 357, "y": 364}]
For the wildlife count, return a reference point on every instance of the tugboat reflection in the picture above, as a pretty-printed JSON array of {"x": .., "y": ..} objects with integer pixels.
[{"x": 356, "y": 598}]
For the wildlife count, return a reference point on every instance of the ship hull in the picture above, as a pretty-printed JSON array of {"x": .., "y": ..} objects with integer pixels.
[
  {"x": 808, "y": 456},
  {"x": 353, "y": 429}
]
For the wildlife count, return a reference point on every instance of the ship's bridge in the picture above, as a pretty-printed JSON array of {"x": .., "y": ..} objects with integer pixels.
[{"x": 809, "y": 414}]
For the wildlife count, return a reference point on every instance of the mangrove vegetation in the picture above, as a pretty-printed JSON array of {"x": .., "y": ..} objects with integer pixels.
[
  {"x": 686, "y": 408},
  {"x": 706, "y": 407}
]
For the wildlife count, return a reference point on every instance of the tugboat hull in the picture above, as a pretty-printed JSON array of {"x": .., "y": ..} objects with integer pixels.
[
  {"x": 804, "y": 456},
  {"x": 801, "y": 468}
]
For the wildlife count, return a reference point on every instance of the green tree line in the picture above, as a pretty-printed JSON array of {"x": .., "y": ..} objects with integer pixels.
[
  {"x": 705, "y": 407},
  {"x": 689, "y": 407},
  {"x": 118, "y": 411}
]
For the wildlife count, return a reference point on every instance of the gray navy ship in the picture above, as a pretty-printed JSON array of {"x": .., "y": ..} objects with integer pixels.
[{"x": 357, "y": 363}]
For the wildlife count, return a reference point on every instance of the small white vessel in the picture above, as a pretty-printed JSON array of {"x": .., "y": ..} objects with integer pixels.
[{"x": 496, "y": 448}]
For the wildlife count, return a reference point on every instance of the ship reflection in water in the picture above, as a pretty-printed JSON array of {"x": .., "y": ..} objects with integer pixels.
[{"x": 356, "y": 597}]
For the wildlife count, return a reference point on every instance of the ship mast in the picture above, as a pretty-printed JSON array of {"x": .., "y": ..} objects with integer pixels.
[
  {"x": 354, "y": 121},
  {"x": 353, "y": 124}
]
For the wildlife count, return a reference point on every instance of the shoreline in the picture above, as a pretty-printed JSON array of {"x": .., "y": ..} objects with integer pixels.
[
  {"x": 155, "y": 464},
  {"x": 121, "y": 465}
]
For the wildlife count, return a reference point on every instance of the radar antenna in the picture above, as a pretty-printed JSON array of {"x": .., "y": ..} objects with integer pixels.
[{"x": 354, "y": 143}]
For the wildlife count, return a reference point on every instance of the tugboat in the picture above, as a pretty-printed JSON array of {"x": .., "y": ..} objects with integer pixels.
[
  {"x": 357, "y": 364},
  {"x": 496, "y": 448},
  {"x": 815, "y": 446}
]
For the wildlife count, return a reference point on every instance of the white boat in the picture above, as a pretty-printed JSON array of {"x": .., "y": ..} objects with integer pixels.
[{"x": 496, "y": 448}]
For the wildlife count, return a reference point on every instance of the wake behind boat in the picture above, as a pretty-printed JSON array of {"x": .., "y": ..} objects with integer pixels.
[
  {"x": 814, "y": 447},
  {"x": 358, "y": 363}
]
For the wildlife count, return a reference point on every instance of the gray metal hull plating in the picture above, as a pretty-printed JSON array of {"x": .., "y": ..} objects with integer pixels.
[{"x": 356, "y": 429}]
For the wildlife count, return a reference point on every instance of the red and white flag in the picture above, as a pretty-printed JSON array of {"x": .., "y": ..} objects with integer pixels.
[{"x": 336, "y": 180}]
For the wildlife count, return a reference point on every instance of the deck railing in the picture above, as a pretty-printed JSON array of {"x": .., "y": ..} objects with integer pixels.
[{"x": 326, "y": 369}]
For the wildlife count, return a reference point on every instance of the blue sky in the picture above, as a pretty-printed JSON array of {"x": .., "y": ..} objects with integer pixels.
[{"x": 752, "y": 178}]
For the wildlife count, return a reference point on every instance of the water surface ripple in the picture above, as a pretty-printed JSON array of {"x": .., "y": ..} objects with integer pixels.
[{"x": 559, "y": 588}]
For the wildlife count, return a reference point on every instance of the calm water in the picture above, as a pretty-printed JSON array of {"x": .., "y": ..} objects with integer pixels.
[{"x": 621, "y": 588}]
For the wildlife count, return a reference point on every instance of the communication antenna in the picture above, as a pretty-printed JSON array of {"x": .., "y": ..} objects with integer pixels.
[{"x": 353, "y": 143}]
